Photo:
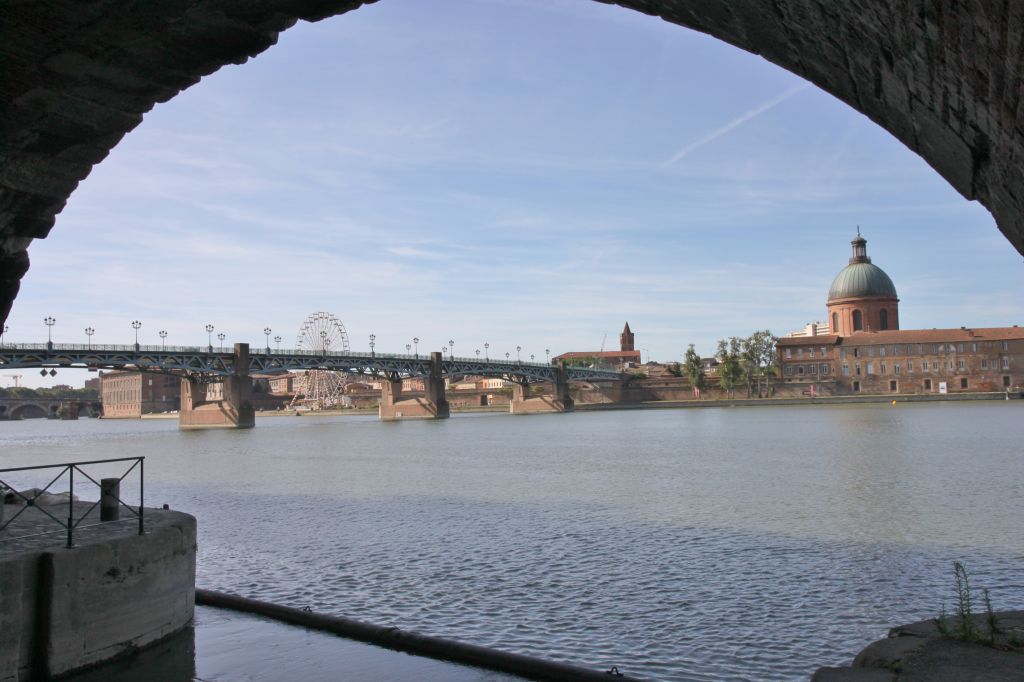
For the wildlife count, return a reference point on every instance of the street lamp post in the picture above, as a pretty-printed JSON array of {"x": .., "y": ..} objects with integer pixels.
[
  {"x": 506, "y": 357},
  {"x": 89, "y": 331},
  {"x": 477, "y": 353},
  {"x": 3, "y": 330},
  {"x": 266, "y": 332},
  {"x": 209, "y": 339},
  {"x": 220, "y": 337},
  {"x": 416, "y": 342},
  {"x": 163, "y": 338},
  {"x": 49, "y": 322},
  {"x": 408, "y": 348},
  {"x": 323, "y": 341},
  {"x": 277, "y": 340},
  {"x": 518, "y": 357},
  {"x": 547, "y": 354},
  {"x": 531, "y": 357},
  {"x": 444, "y": 349},
  {"x": 451, "y": 344},
  {"x": 486, "y": 347},
  {"x": 136, "y": 325},
  {"x": 373, "y": 342}
]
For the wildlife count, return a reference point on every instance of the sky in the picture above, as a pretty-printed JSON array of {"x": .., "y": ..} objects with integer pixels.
[{"x": 516, "y": 172}]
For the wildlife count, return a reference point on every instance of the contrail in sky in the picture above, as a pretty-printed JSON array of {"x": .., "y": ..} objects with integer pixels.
[{"x": 735, "y": 123}]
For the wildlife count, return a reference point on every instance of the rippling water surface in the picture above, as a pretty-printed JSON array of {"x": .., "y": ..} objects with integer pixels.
[{"x": 675, "y": 544}]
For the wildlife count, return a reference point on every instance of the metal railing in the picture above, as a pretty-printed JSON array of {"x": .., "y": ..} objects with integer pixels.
[{"x": 70, "y": 468}]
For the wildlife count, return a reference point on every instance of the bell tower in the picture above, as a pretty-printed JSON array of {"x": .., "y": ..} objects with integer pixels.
[{"x": 626, "y": 339}]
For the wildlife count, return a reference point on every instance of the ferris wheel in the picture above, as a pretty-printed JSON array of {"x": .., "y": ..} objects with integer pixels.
[
  {"x": 319, "y": 389},
  {"x": 322, "y": 332}
]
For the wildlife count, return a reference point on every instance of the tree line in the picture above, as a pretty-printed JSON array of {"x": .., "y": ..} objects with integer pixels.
[{"x": 743, "y": 362}]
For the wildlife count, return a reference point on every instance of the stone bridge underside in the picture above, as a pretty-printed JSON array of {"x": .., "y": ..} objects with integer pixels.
[{"x": 943, "y": 76}]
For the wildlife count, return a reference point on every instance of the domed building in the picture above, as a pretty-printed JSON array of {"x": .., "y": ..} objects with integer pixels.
[
  {"x": 862, "y": 298},
  {"x": 863, "y": 350}
]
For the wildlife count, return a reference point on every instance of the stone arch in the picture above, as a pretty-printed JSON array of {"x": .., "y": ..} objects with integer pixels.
[
  {"x": 946, "y": 78},
  {"x": 858, "y": 320},
  {"x": 29, "y": 411}
]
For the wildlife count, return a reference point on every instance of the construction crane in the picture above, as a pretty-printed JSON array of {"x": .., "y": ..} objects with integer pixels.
[{"x": 16, "y": 378}]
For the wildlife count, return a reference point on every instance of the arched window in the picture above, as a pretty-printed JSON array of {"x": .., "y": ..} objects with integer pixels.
[
  {"x": 835, "y": 323},
  {"x": 858, "y": 321},
  {"x": 883, "y": 319}
]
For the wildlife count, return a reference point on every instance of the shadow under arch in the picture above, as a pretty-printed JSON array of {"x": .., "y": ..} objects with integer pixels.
[{"x": 945, "y": 78}]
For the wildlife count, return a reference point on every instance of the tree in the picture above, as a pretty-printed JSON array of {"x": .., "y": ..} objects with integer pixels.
[
  {"x": 694, "y": 369},
  {"x": 760, "y": 359},
  {"x": 730, "y": 365}
]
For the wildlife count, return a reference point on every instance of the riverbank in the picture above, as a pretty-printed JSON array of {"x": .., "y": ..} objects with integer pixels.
[{"x": 820, "y": 400}]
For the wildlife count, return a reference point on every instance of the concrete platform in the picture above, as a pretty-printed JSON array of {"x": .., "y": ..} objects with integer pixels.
[{"x": 116, "y": 591}]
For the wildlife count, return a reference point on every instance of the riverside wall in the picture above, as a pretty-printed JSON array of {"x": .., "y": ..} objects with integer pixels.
[{"x": 113, "y": 593}]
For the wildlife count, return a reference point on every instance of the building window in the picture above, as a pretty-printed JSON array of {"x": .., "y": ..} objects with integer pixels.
[
  {"x": 835, "y": 323},
  {"x": 799, "y": 353},
  {"x": 960, "y": 364},
  {"x": 881, "y": 368},
  {"x": 959, "y": 348},
  {"x": 846, "y": 370},
  {"x": 810, "y": 352},
  {"x": 1006, "y": 363},
  {"x": 858, "y": 321},
  {"x": 984, "y": 363},
  {"x": 939, "y": 348},
  {"x": 883, "y": 319},
  {"x": 896, "y": 368},
  {"x": 974, "y": 348},
  {"x": 842, "y": 353},
  {"x": 870, "y": 368},
  {"x": 789, "y": 353},
  {"x": 856, "y": 387},
  {"x": 910, "y": 365},
  {"x": 881, "y": 351},
  {"x": 800, "y": 370},
  {"x": 1006, "y": 345},
  {"x": 789, "y": 370},
  {"x": 1006, "y": 380},
  {"x": 856, "y": 369},
  {"x": 935, "y": 365},
  {"x": 824, "y": 369},
  {"x": 871, "y": 351},
  {"x": 949, "y": 364},
  {"x": 927, "y": 384},
  {"x": 892, "y": 386},
  {"x": 920, "y": 349},
  {"x": 813, "y": 369},
  {"x": 963, "y": 382}
]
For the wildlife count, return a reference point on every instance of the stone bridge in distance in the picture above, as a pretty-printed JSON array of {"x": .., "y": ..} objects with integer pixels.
[{"x": 198, "y": 366}]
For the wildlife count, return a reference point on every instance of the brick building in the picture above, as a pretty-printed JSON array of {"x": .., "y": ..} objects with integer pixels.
[
  {"x": 626, "y": 355},
  {"x": 867, "y": 352},
  {"x": 133, "y": 394}
]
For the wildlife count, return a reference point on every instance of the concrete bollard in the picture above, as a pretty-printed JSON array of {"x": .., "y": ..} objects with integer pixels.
[{"x": 110, "y": 491}]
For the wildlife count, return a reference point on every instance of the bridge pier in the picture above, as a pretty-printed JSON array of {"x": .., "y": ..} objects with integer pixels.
[
  {"x": 560, "y": 401},
  {"x": 69, "y": 410},
  {"x": 433, "y": 405},
  {"x": 233, "y": 410}
]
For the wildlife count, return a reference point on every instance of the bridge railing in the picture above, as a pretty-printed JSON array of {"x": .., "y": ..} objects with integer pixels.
[{"x": 34, "y": 498}]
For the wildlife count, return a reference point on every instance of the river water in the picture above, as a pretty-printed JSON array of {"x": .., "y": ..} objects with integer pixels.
[{"x": 701, "y": 544}]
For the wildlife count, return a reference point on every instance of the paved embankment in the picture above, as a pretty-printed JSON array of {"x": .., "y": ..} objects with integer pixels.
[{"x": 115, "y": 591}]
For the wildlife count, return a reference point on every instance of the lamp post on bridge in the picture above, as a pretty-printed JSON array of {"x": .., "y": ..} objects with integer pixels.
[
  {"x": 136, "y": 325},
  {"x": 444, "y": 349},
  {"x": 408, "y": 348},
  {"x": 477, "y": 353},
  {"x": 89, "y": 331},
  {"x": 209, "y": 338},
  {"x": 451, "y": 345},
  {"x": 486, "y": 356},
  {"x": 49, "y": 322},
  {"x": 531, "y": 357},
  {"x": 323, "y": 342},
  {"x": 506, "y": 356},
  {"x": 266, "y": 332},
  {"x": 277, "y": 340},
  {"x": 547, "y": 354},
  {"x": 3, "y": 330},
  {"x": 220, "y": 337},
  {"x": 373, "y": 342},
  {"x": 163, "y": 338},
  {"x": 416, "y": 342},
  {"x": 519, "y": 358}
]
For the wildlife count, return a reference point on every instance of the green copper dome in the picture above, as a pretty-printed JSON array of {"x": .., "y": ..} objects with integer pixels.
[{"x": 860, "y": 278}]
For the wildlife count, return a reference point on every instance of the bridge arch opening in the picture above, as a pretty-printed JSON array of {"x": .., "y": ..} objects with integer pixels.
[
  {"x": 29, "y": 411},
  {"x": 73, "y": 98}
]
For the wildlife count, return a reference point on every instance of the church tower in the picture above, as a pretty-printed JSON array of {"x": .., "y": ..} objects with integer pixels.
[{"x": 626, "y": 338}]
